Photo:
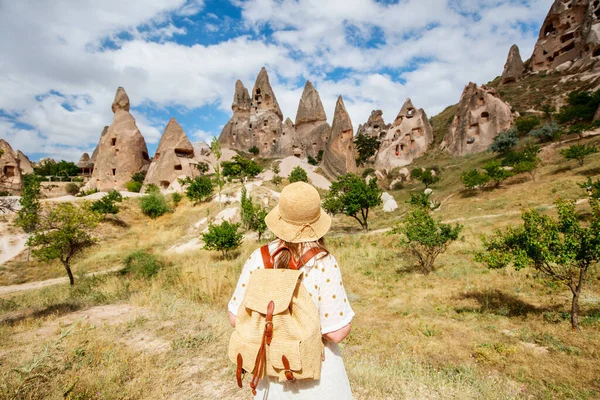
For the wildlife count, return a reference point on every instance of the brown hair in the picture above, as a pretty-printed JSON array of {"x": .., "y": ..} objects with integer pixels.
[{"x": 298, "y": 249}]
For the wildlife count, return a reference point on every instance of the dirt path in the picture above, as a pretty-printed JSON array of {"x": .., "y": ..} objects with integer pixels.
[{"x": 50, "y": 282}]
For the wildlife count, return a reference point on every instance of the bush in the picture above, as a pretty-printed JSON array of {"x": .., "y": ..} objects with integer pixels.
[
  {"x": 423, "y": 200},
  {"x": 579, "y": 152},
  {"x": 72, "y": 188},
  {"x": 504, "y": 141},
  {"x": 154, "y": 205},
  {"x": 202, "y": 167},
  {"x": 312, "y": 161},
  {"x": 139, "y": 177},
  {"x": 276, "y": 180},
  {"x": 496, "y": 173},
  {"x": 592, "y": 188},
  {"x": 152, "y": 188},
  {"x": 523, "y": 161},
  {"x": 84, "y": 193},
  {"x": 368, "y": 171},
  {"x": 366, "y": 147},
  {"x": 240, "y": 167},
  {"x": 253, "y": 150},
  {"x": 133, "y": 186},
  {"x": 474, "y": 179},
  {"x": 416, "y": 173},
  {"x": 199, "y": 189},
  {"x": 547, "y": 133},
  {"x": 580, "y": 108},
  {"x": 298, "y": 174},
  {"x": 107, "y": 204},
  {"x": 428, "y": 178},
  {"x": 142, "y": 264},
  {"x": 223, "y": 238},
  {"x": 176, "y": 199},
  {"x": 526, "y": 124}
]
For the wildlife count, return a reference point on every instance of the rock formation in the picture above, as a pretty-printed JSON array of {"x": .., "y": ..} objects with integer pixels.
[
  {"x": 409, "y": 137},
  {"x": 340, "y": 157},
  {"x": 375, "y": 126},
  {"x": 122, "y": 149},
  {"x": 481, "y": 115},
  {"x": 95, "y": 153},
  {"x": 514, "y": 68},
  {"x": 24, "y": 163},
  {"x": 312, "y": 129},
  {"x": 174, "y": 157},
  {"x": 236, "y": 133},
  {"x": 85, "y": 164},
  {"x": 10, "y": 171},
  {"x": 570, "y": 31}
]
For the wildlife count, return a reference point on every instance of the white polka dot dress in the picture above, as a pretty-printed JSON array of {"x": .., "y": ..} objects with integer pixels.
[{"x": 323, "y": 280}]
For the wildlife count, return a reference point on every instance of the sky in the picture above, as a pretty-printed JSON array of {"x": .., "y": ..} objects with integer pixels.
[{"x": 61, "y": 61}]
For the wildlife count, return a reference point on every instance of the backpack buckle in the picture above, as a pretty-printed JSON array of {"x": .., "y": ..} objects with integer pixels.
[
  {"x": 289, "y": 375},
  {"x": 269, "y": 332}
]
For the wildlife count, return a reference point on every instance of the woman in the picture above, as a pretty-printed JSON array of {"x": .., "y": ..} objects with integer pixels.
[{"x": 299, "y": 223}]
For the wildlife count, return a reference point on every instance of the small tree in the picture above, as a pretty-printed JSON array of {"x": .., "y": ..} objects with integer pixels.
[
  {"x": 107, "y": 204},
  {"x": 202, "y": 167},
  {"x": 258, "y": 223},
  {"x": 198, "y": 189},
  {"x": 526, "y": 161},
  {"x": 496, "y": 173},
  {"x": 176, "y": 199},
  {"x": 215, "y": 147},
  {"x": 474, "y": 179},
  {"x": 563, "y": 250},
  {"x": 63, "y": 233},
  {"x": 351, "y": 196},
  {"x": 247, "y": 209},
  {"x": 139, "y": 177},
  {"x": 133, "y": 186},
  {"x": 154, "y": 205},
  {"x": 298, "y": 174},
  {"x": 151, "y": 188},
  {"x": 579, "y": 152},
  {"x": 254, "y": 150},
  {"x": 223, "y": 238},
  {"x": 547, "y": 133},
  {"x": 366, "y": 147},
  {"x": 505, "y": 141},
  {"x": 423, "y": 200},
  {"x": 276, "y": 178},
  {"x": 428, "y": 178},
  {"x": 425, "y": 238},
  {"x": 28, "y": 216},
  {"x": 524, "y": 125},
  {"x": 241, "y": 167}
]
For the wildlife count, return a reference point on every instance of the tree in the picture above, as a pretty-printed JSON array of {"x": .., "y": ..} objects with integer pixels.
[
  {"x": 423, "y": 200},
  {"x": 223, "y": 238},
  {"x": 526, "y": 161},
  {"x": 253, "y": 150},
  {"x": 215, "y": 147},
  {"x": 247, "y": 209},
  {"x": 107, "y": 204},
  {"x": 63, "y": 233},
  {"x": 133, "y": 186},
  {"x": 474, "y": 179},
  {"x": 139, "y": 177},
  {"x": 425, "y": 238},
  {"x": 366, "y": 147},
  {"x": 198, "y": 189},
  {"x": 258, "y": 224},
  {"x": 496, "y": 173},
  {"x": 563, "y": 250},
  {"x": 524, "y": 125},
  {"x": 579, "y": 152},
  {"x": 176, "y": 198},
  {"x": 28, "y": 215},
  {"x": 52, "y": 168},
  {"x": 580, "y": 107},
  {"x": 351, "y": 196},
  {"x": 298, "y": 174},
  {"x": 154, "y": 205},
  {"x": 428, "y": 178},
  {"x": 241, "y": 167},
  {"x": 547, "y": 132},
  {"x": 202, "y": 167},
  {"x": 505, "y": 141}
]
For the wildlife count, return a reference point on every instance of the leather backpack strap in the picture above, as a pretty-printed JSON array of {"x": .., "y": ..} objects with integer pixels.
[
  {"x": 309, "y": 255},
  {"x": 266, "y": 257}
]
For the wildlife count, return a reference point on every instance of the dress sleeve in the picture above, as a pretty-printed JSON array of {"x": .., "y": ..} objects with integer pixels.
[
  {"x": 254, "y": 262},
  {"x": 334, "y": 306}
]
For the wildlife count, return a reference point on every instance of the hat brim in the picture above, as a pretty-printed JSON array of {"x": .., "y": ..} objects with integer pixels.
[{"x": 297, "y": 233}]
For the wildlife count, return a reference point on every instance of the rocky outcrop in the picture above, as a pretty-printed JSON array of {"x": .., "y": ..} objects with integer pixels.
[
  {"x": 10, "y": 171},
  {"x": 174, "y": 158},
  {"x": 312, "y": 129},
  {"x": 85, "y": 164},
  {"x": 122, "y": 149},
  {"x": 481, "y": 115},
  {"x": 514, "y": 68},
  {"x": 375, "y": 126},
  {"x": 570, "y": 31},
  {"x": 288, "y": 137},
  {"x": 409, "y": 137},
  {"x": 236, "y": 134},
  {"x": 95, "y": 153},
  {"x": 340, "y": 157},
  {"x": 24, "y": 163}
]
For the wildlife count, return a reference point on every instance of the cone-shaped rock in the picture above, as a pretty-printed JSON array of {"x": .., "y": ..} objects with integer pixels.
[
  {"x": 375, "y": 126},
  {"x": 339, "y": 157},
  {"x": 236, "y": 134},
  {"x": 241, "y": 98},
  {"x": 409, "y": 137},
  {"x": 24, "y": 163},
  {"x": 481, "y": 115},
  {"x": 514, "y": 68},
  {"x": 174, "y": 157},
  {"x": 95, "y": 153},
  {"x": 10, "y": 171},
  {"x": 263, "y": 97},
  {"x": 122, "y": 150},
  {"x": 312, "y": 129}
]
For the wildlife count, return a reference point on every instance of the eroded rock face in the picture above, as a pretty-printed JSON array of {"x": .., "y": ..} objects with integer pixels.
[
  {"x": 10, "y": 171},
  {"x": 95, "y": 153},
  {"x": 174, "y": 157},
  {"x": 570, "y": 31},
  {"x": 340, "y": 157},
  {"x": 481, "y": 115},
  {"x": 514, "y": 68},
  {"x": 24, "y": 163},
  {"x": 236, "y": 134},
  {"x": 409, "y": 137},
  {"x": 122, "y": 149},
  {"x": 375, "y": 126},
  {"x": 312, "y": 129}
]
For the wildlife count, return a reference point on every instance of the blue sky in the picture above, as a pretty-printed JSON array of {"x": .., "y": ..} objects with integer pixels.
[{"x": 62, "y": 61}]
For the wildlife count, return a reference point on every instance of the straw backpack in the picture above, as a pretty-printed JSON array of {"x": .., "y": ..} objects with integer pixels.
[{"x": 278, "y": 329}]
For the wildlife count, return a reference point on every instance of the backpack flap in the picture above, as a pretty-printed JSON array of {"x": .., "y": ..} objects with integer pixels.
[{"x": 266, "y": 285}]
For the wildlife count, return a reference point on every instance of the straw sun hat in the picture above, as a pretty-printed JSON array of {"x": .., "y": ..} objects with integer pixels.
[{"x": 299, "y": 217}]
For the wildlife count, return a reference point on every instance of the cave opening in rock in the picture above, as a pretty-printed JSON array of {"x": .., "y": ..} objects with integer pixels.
[
  {"x": 185, "y": 153},
  {"x": 178, "y": 167},
  {"x": 567, "y": 37},
  {"x": 471, "y": 140},
  {"x": 485, "y": 116},
  {"x": 165, "y": 184},
  {"x": 145, "y": 156},
  {"x": 265, "y": 122},
  {"x": 9, "y": 171},
  {"x": 113, "y": 142},
  {"x": 596, "y": 52},
  {"x": 549, "y": 29},
  {"x": 567, "y": 48},
  {"x": 114, "y": 171}
]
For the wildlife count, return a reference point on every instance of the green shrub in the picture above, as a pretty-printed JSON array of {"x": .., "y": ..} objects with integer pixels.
[
  {"x": 423, "y": 200},
  {"x": 547, "y": 133},
  {"x": 199, "y": 189},
  {"x": 152, "y": 188},
  {"x": 368, "y": 171},
  {"x": 176, "y": 199},
  {"x": 276, "y": 180},
  {"x": 133, "y": 186},
  {"x": 505, "y": 141},
  {"x": 474, "y": 179},
  {"x": 496, "y": 173},
  {"x": 253, "y": 150},
  {"x": 592, "y": 188},
  {"x": 579, "y": 152},
  {"x": 72, "y": 188},
  {"x": 580, "y": 108},
  {"x": 107, "y": 204},
  {"x": 154, "y": 205},
  {"x": 526, "y": 124},
  {"x": 240, "y": 167},
  {"x": 142, "y": 264},
  {"x": 298, "y": 174},
  {"x": 202, "y": 167},
  {"x": 312, "y": 161},
  {"x": 84, "y": 193},
  {"x": 139, "y": 177},
  {"x": 223, "y": 238}
]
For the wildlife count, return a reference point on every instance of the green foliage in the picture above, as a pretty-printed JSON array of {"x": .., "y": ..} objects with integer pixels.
[
  {"x": 139, "y": 177},
  {"x": 28, "y": 215},
  {"x": 320, "y": 155},
  {"x": 151, "y": 188},
  {"x": 496, "y": 173},
  {"x": 423, "y": 200},
  {"x": 276, "y": 169},
  {"x": 526, "y": 161},
  {"x": 276, "y": 180},
  {"x": 108, "y": 203},
  {"x": 428, "y": 178},
  {"x": 253, "y": 216},
  {"x": 312, "y": 161},
  {"x": 215, "y": 147},
  {"x": 241, "y": 167},
  {"x": 176, "y": 199},
  {"x": 253, "y": 150},
  {"x": 367, "y": 172},
  {"x": 366, "y": 147},
  {"x": 563, "y": 250},
  {"x": 526, "y": 124},
  {"x": 63, "y": 232},
  {"x": 351, "y": 196},
  {"x": 258, "y": 224},
  {"x": 52, "y": 168},
  {"x": 154, "y": 205},
  {"x": 505, "y": 141},
  {"x": 474, "y": 179},
  {"x": 298, "y": 174},
  {"x": 223, "y": 238},
  {"x": 72, "y": 188},
  {"x": 142, "y": 264},
  {"x": 592, "y": 188},
  {"x": 133, "y": 186},
  {"x": 425, "y": 238},
  {"x": 579, "y": 152},
  {"x": 547, "y": 133},
  {"x": 198, "y": 189},
  {"x": 247, "y": 208},
  {"x": 202, "y": 167},
  {"x": 580, "y": 108},
  {"x": 416, "y": 173}
]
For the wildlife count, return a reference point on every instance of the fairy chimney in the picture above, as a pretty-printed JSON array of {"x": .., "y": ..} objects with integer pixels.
[
  {"x": 24, "y": 163},
  {"x": 174, "y": 157},
  {"x": 312, "y": 129},
  {"x": 122, "y": 150},
  {"x": 480, "y": 117},
  {"x": 340, "y": 157},
  {"x": 95, "y": 153},
  {"x": 10, "y": 171},
  {"x": 514, "y": 68},
  {"x": 236, "y": 133},
  {"x": 375, "y": 126},
  {"x": 409, "y": 137}
]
